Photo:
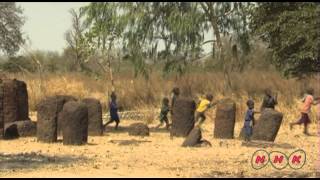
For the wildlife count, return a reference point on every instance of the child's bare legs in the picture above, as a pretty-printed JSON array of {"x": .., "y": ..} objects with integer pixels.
[
  {"x": 293, "y": 124},
  {"x": 303, "y": 120},
  {"x": 200, "y": 118},
  {"x": 167, "y": 123},
  {"x": 306, "y": 131},
  {"x": 297, "y": 122},
  {"x": 109, "y": 122},
  {"x": 117, "y": 125},
  {"x": 246, "y": 138},
  {"x": 159, "y": 125}
]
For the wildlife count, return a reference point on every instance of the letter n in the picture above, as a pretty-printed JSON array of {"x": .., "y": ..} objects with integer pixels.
[{"x": 260, "y": 159}]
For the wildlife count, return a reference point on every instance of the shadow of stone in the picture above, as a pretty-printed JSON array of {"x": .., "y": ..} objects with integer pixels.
[
  {"x": 289, "y": 174},
  {"x": 159, "y": 130},
  {"x": 110, "y": 129},
  {"x": 34, "y": 160},
  {"x": 129, "y": 142},
  {"x": 221, "y": 174},
  {"x": 91, "y": 144},
  {"x": 313, "y": 135},
  {"x": 264, "y": 144},
  {"x": 282, "y": 174},
  {"x": 125, "y": 129}
]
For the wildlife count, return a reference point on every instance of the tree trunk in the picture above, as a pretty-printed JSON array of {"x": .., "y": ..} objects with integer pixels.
[
  {"x": 226, "y": 73},
  {"x": 216, "y": 33},
  {"x": 110, "y": 68}
]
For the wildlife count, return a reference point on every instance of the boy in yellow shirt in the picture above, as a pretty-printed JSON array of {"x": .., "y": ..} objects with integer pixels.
[{"x": 204, "y": 105}]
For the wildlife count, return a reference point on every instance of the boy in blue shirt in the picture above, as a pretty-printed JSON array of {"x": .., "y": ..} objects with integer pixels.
[
  {"x": 114, "y": 117},
  {"x": 249, "y": 120}
]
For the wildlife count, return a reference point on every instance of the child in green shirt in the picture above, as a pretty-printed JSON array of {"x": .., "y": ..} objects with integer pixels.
[{"x": 164, "y": 112}]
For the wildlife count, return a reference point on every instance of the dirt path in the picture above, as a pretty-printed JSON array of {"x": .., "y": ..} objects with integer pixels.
[{"x": 116, "y": 154}]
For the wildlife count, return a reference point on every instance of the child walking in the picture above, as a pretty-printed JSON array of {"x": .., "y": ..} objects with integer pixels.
[
  {"x": 204, "y": 105},
  {"x": 269, "y": 101},
  {"x": 308, "y": 101},
  {"x": 164, "y": 112},
  {"x": 249, "y": 120},
  {"x": 114, "y": 117}
]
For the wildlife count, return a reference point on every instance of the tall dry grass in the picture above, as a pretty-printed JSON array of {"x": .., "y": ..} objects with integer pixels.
[{"x": 138, "y": 94}]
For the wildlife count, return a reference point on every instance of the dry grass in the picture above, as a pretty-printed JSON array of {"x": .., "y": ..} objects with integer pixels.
[
  {"x": 137, "y": 93},
  {"x": 164, "y": 157}
]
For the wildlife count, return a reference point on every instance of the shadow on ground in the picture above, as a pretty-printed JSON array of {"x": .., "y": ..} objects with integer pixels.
[
  {"x": 290, "y": 174},
  {"x": 262, "y": 144},
  {"x": 219, "y": 174},
  {"x": 282, "y": 174},
  {"x": 159, "y": 130},
  {"x": 121, "y": 129},
  {"x": 129, "y": 142},
  {"x": 34, "y": 160},
  {"x": 125, "y": 129}
]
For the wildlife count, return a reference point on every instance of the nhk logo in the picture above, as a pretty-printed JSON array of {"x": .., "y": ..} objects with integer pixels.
[{"x": 278, "y": 160}]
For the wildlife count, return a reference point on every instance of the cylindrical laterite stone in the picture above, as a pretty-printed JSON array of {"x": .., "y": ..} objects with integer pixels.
[
  {"x": 11, "y": 132},
  {"x": 268, "y": 125},
  {"x": 1, "y": 110},
  {"x": 183, "y": 117},
  {"x": 193, "y": 139},
  {"x": 25, "y": 128},
  {"x": 95, "y": 126},
  {"x": 75, "y": 123},
  {"x": 15, "y": 101},
  {"x": 10, "y": 101},
  {"x": 63, "y": 99},
  {"x": 22, "y": 100},
  {"x": 47, "y": 117},
  {"x": 225, "y": 119}
]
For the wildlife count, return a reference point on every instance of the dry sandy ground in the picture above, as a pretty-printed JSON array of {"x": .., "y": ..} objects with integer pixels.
[{"x": 116, "y": 154}]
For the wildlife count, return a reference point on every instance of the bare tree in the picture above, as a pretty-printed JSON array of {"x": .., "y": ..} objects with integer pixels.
[{"x": 76, "y": 40}]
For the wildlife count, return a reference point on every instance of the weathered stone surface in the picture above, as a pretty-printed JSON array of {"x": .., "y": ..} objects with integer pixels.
[
  {"x": 268, "y": 125},
  {"x": 75, "y": 123},
  {"x": 225, "y": 119},
  {"x": 183, "y": 117}
]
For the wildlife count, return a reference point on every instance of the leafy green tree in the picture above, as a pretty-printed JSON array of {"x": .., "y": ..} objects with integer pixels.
[
  {"x": 105, "y": 28},
  {"x": 11, "y": 22},
  {"x": 180, "y": 25},
  {"x": 173, "y": 23},
  {"x": 291, "y": 30},
  {"x": 228, "y": 19}
]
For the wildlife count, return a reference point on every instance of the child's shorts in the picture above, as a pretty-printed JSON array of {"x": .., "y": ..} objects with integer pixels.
[
  {"x": 200, "y": 115},
  {"x": 304, "y": 119}
]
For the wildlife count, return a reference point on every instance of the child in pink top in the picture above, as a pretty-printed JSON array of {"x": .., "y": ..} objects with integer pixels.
[{"x": 308, "y": 101}]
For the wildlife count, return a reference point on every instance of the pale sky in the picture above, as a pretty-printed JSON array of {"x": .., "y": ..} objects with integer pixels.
[{"x": 47, "y": 23}]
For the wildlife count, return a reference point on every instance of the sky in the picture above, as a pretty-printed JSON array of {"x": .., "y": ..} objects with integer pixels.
[{"x": 47, "y": 22}]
